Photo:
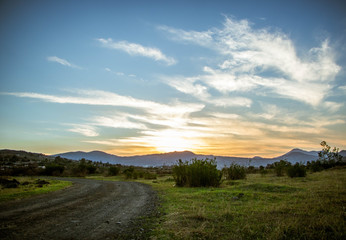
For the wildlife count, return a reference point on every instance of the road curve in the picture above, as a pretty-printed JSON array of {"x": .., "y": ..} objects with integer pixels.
[{"x": 89, "y": 209}]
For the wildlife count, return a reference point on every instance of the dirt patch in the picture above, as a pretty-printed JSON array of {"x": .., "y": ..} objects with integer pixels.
[{"x": 89, "y": 209}]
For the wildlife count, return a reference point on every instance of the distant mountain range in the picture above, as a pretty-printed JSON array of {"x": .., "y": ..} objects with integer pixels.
[{"x": 155, "y": 160}]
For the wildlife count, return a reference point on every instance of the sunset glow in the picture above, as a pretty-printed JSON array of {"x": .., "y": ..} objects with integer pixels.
[{"x": 222, "y": 78}]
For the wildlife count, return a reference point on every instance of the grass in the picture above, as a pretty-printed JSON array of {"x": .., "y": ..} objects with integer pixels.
[
  {"x": 259, "y": 207},
  {"x": 31, "y": 189}
]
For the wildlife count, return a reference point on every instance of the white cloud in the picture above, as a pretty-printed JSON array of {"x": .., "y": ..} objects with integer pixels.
[
  {"x": 86, "y": 130},
  {"x": 62, "y": 61},
  {"x": 201, "y": 38},
  {"x": 262, "y": 59},
  {"x": 121, "y": 121},
  {"x": 332, "y": 106},
  {"x": 342, "y": 88},
  {"x": 138, "y": 50},
  {"x": 103, "y": 98},
  {"x": 119, "y": 73},
  {"x": 200, "y": 91}
]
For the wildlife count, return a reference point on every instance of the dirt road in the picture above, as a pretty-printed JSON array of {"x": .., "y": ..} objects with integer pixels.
[{"x": 89, "y": 209}]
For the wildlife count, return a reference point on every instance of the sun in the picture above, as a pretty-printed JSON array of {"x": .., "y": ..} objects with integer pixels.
[{"x": 170, "y": 141}]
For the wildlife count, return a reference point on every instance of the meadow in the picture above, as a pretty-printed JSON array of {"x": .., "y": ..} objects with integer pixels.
[
  {"x": 263, "y": 205},
  {"x": 258, "y": 207}
]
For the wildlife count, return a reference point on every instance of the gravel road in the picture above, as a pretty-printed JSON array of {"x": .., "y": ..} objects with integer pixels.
[{"x": 89, "y": 209}]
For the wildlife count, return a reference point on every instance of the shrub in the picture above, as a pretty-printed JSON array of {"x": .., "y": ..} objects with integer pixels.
[
  {"x": 150, "y": 176},
  {"x": 197, "y": 173},
  {"x": 79, "y": 171},
  {"x": 9, "y": 183},
  {"x": 326, "y": 159},
  {"x": 91, "y": 169},
  {"x": 297, "y": 170},
  {"x": 130, "y": 172},
  {"x": 235, "y": 172},
  {"x": 263, "y": 171},
  {"x": 113, "y": 171},
  {"x": 280, "y": 167},
  {"x": 54, "y": 170}
]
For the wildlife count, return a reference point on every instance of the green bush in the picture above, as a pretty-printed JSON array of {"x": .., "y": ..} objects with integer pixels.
[
  {"x": 130, "y": 172},
  {"x": 263, "y": 171},
  {"x": 113, "y": 171},
  {"x": 297, "y": 170},
  {"x": 280, "y": 167},
  {"x": 91, "y": 169},
  {"x": 197, "y": 173},
  {"x": 149, "y": 175},
  {"x": 54, "y": 170},
  {"x": 235, "y": 172},
  {"x": 327, "y": 158}
]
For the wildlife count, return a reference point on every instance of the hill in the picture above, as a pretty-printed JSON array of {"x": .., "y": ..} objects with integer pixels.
[{"x": 293, "y": 156}]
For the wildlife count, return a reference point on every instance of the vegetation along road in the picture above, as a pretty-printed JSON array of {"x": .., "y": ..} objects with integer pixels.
[{"x": 89, "y": 209}]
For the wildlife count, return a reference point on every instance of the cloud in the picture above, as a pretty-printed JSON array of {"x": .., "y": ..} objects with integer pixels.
[
  {"x": 119, "y": 73},
  {"x": 121, "y": 121},
  {"x": 86, "y": 130},
  {"x": 137, "y": 50},
  {"x": 261, "y": 60},
  {"x": 104, "y": 98},
  {"x": 200, "y": 91},
  {"x": 200, "y": 38},
  {"x": 62, "y": 62},
  {"x": 332, "y": 106}
]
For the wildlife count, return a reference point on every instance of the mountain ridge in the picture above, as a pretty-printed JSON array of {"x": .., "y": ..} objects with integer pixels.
[{"x": 170, "y": 158}]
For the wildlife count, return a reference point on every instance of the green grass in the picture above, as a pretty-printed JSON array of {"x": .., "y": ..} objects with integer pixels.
[
  {"x": 259, "y": 207},
  {"x": 24, "y": 191}
]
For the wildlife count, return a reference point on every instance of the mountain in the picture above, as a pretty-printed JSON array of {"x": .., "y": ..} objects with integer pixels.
[
  {"x": 96, "y": 156},
  {"x": 343, "y": 153},
  {"x": 298, "y": 155},
  {"x": 155, "y": 160},
  {"x": 138, "y": 160}
]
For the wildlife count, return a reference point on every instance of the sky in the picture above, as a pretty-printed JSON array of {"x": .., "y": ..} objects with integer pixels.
[{"x": 230, "y": 78}]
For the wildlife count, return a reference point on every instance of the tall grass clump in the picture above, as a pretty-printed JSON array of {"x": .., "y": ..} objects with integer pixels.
[
  {"x": 197, "y": 173},
  {"x": 235, "y": 172}
]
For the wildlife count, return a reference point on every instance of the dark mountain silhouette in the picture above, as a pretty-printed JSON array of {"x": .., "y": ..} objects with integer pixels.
[{"x": 293, "y": 156}]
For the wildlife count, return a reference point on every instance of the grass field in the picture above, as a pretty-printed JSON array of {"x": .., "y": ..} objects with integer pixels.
[
  {"x": 259, "y": 207},
  {"x": 31, "y": 188}
]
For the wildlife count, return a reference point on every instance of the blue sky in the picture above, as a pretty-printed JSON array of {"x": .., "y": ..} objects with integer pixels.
[{"x": 137, "y": 77}]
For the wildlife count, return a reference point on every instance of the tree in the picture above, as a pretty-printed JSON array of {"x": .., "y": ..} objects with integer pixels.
[{"x": 327, "y": 155}]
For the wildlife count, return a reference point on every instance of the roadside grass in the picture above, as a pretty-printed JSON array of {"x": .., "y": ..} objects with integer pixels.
[
  {"x": 258, "y": 207},
  {"x": 30, "y": 188}
]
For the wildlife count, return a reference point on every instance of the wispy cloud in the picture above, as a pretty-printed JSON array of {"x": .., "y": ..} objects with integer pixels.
[
  {"x": 201, "y": 38},
  {"x": 84, "y": 129},
  {"x": 117, "y": 121},
  {"x": 119, "y": 73},
  {"x": 103, "y": 98},
  {"x": 262, "y": 60},
  {"x": 200, "y": 91},
  {"x": 137, "y": 50},
  {"x": 62, "y": 62}
]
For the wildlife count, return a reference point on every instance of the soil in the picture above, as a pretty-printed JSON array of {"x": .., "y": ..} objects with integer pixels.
[{"x": 89, "y": 209}]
